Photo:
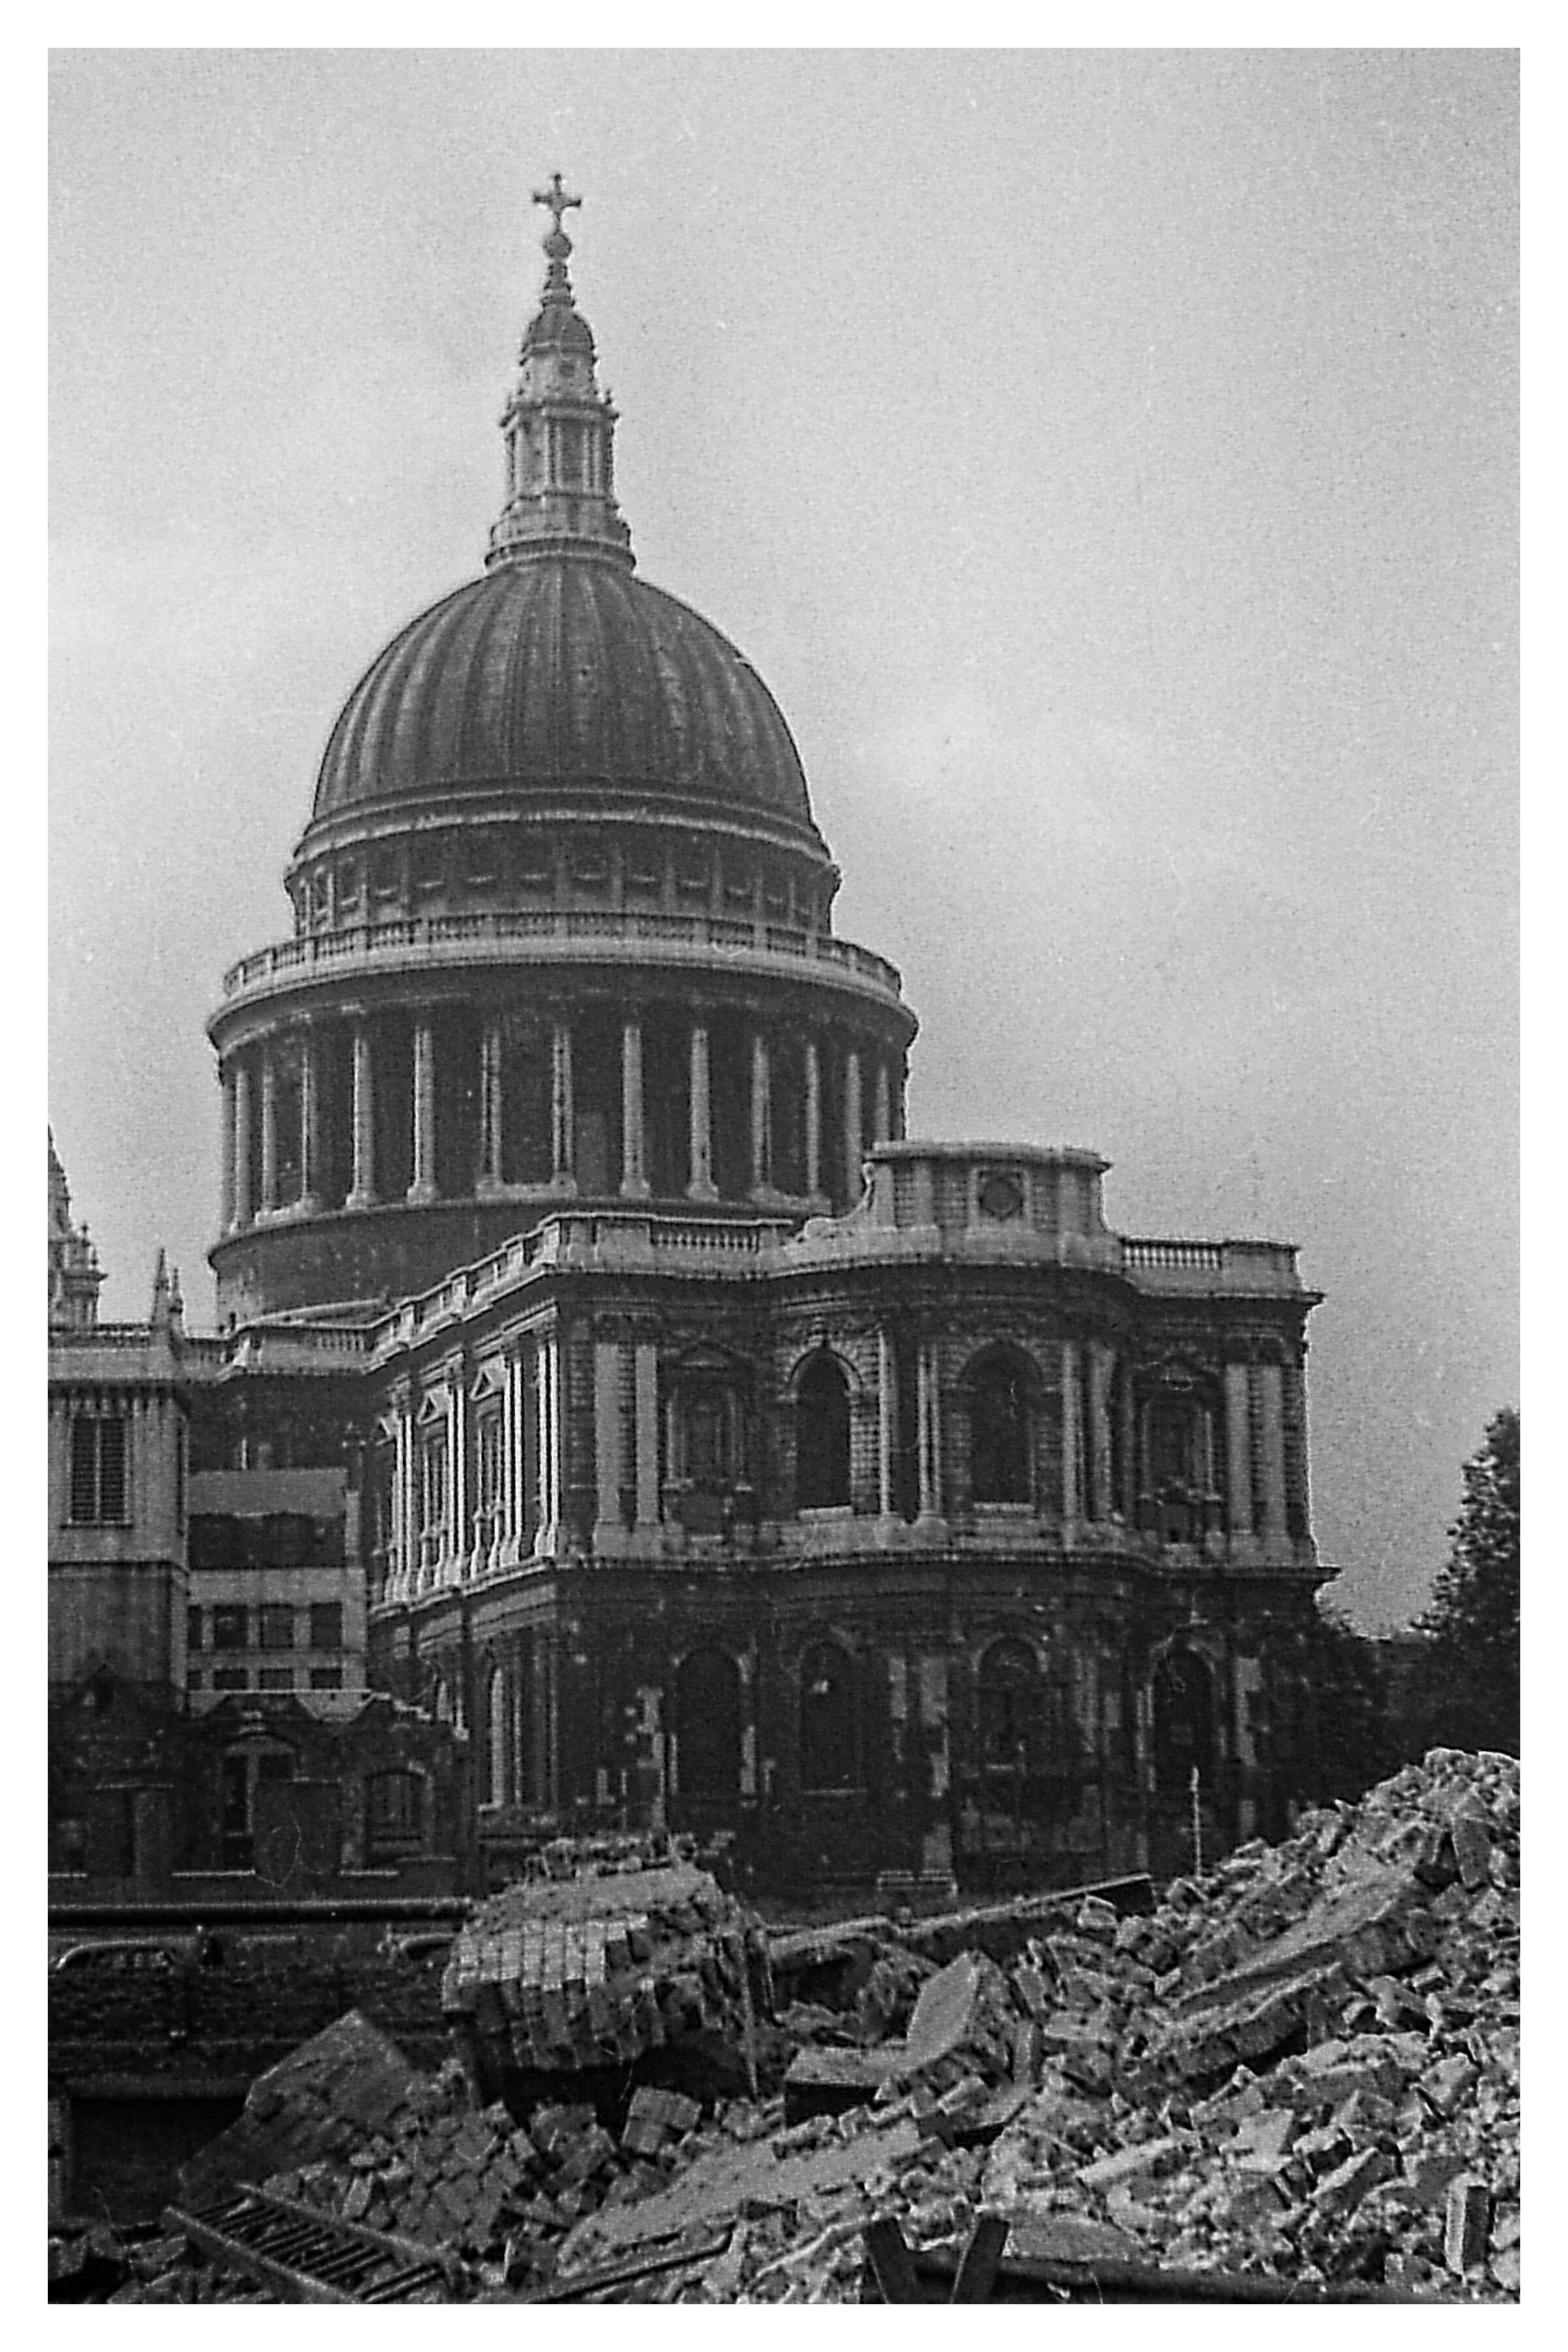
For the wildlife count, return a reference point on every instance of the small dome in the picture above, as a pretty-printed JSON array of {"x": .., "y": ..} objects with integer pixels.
[
  {"x": 558, "y": 328},
  {"x": 563, "y": 669}
]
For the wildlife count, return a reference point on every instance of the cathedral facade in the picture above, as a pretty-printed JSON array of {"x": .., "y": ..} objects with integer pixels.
[{"x": 712, "y": 1454}]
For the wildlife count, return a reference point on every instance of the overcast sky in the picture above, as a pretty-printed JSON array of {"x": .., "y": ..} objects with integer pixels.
[{"x": 1107, "y": 457}]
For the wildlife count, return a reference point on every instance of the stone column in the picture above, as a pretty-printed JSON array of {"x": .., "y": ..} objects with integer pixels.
[
  {"x": 881, "y": 1106},
  {"x": 405, "y": 1520},
  {"x": 362, "y": 1192},
  {"x": 1072, "y": 1493},
  {"x": 548, "y": 1404},
  {"x": 854, "y": 1138},
  {"x": 1299, "y": 1501},
  {"x": 488, "y": 1178},
  {"x": 887, "y": 1421},
  {"x": 928, "y": 1428},
  {"x": 422, "y": 1188},
  {"x": 1272, "y": 1447},
  {"x": 269, "y": 1130},
  {"x": 226, "y": 1077},
  {"x": 812, "y": 1118},
  {"x": 562, "y": 1112},
  {"x": 243, "y": 1207},
  {"x": 1238, "y": 1448},
  {"x": 310, "y": 1124},
  {"x": 1127, "y": 1502},
  {"x": 1101, "y": 1366},
  {"x": 608, "y": 1444},
  {"x": 646, "y": 1404},
  {"x": 460, "y": 1531},
  {"x": 701, "y": 1186},
  {"x": 634, "y": 1175},
  {"x": 761, "y": 1109},
  {"x": 508, "y": 1513}
]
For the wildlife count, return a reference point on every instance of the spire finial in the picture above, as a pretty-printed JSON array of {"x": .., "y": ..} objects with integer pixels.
[{"x": 557, "y": 244}]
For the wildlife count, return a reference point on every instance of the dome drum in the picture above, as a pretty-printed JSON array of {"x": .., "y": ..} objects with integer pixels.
[{"x": 728, "y": 1096}]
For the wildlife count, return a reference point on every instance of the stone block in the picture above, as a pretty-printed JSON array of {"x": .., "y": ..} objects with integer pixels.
[
  {"x": 1342, "y": 2190},
  {"x": 1467, "y": 2224}
]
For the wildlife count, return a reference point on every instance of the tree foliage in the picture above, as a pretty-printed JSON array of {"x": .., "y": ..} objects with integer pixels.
[{"x": 1472, "y": 1623}]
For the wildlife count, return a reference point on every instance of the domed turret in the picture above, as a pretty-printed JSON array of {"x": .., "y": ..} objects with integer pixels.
[{"x": 562, "y": 917}]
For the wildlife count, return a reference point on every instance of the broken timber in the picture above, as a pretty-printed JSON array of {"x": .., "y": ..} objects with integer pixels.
[
  {"x": 309, "y": 2256},
  {"x": 983, "y": 2273}
]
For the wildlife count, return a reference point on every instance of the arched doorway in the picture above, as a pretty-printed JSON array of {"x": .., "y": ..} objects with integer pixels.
[
  {"x": 828, "y": 1758},
  {"x": 1183, "y": 1726},
  {"x": 707, "y": 1729}
]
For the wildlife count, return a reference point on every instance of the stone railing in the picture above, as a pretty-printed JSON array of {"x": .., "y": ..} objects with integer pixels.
[
  {"x": 1241, "y": 1267},
  {"x": 552, "y": 933}
]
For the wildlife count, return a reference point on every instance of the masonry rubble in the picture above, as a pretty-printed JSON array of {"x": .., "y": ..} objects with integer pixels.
[{"x": 1304, "y": 2065}]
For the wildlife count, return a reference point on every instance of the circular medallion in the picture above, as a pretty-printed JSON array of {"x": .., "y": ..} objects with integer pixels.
[{"x": 1001, "y": 1196}]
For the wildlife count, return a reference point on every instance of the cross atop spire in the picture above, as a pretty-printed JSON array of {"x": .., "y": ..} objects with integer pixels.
[{"x": 558, "y": 202}]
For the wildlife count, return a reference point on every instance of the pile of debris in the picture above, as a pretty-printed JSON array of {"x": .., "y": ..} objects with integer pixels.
[
  {"x": 557, "y": 1977},
  {"x": 1302, "y": 2067}
]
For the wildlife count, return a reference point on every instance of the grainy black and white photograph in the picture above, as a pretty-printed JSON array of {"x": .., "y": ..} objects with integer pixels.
[{"x": 784, "y": 1440}]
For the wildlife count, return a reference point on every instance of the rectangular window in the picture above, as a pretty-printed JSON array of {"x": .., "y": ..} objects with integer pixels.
[
  {"x": 193, "y": 1629},
  {"x": 490, "y": 1449},
  {"x": 326, "y": 1624},
  {"x": 276, "y": 1625},
  {"x": 433, "y": 1489},
  {"x": 98, "y": 1470},
  {"x": 231, "y": 1629},
  {"x": 326, "y": 1677},
  {"x": 228, "y": 1678},
  {"x": 193, "y": 1679},
  {"x": 275, "y": 1678}
]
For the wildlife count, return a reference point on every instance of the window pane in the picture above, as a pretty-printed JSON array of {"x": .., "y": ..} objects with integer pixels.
[
  {"x": 111, "y": 1471},
  {"x": 326, "y": 1625},
  {"x": 84, "y": 1471},
  {"x": 326, "y": 1677},
  {"x": 193, "y": 1629},
  {"x": 276, "y": 1625},
  {"x": 229, "y": 1678},
  {"x": 230, "y": 1629},
  {"x": 276, "y": 1678}
]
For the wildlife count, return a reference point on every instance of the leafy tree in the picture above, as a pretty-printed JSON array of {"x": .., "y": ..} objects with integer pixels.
[{"x": 1472, "y": 1678}]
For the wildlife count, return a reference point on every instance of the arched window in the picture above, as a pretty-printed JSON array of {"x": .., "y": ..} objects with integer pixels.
[
  {"x": 999, "y": 1468},
  {"x": 822, "y": 1436},
  {"x": 1009, "y": 1708},
  {"x": 828, "y": 1745},
  {"x": 708, "y": 1725},
  {"x": 1184, "y": 1720}
]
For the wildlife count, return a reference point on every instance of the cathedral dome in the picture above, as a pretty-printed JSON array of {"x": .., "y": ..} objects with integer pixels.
[{"x": 560, "y": 669}]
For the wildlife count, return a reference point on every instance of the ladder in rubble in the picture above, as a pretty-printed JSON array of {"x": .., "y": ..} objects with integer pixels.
[{"x": 308, "y": 2256}]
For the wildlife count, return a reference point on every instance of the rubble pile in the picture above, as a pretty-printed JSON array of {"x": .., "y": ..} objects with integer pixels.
[
  {"x": 1303, "y": 2066},
  {"x": 559, "y": 1977}
]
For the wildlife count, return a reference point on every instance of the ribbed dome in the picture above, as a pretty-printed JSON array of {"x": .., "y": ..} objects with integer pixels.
[{"x": 561, "y": 669}]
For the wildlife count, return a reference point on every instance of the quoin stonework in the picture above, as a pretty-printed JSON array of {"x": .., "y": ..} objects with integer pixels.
[{"x": 603, "y": 1377}]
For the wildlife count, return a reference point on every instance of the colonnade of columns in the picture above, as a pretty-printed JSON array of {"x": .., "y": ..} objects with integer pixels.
[
  {"x": 478, "y": 1477},
  {"x": 252, "y": 1180}
]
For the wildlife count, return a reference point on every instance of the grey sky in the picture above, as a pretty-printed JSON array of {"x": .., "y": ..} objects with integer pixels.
[{"x": 1107, "y": 457}]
